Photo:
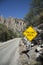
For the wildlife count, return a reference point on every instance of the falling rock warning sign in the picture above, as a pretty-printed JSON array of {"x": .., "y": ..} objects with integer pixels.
[{"x": 30, "y": 33}]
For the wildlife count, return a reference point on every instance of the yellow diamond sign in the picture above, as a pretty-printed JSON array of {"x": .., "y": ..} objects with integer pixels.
[{"x": 30, "y": 33}]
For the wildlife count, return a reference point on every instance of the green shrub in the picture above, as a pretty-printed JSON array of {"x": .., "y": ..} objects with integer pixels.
[{"x": 6, "y": 34}]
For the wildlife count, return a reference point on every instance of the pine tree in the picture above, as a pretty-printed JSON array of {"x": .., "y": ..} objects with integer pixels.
[{"x": 33, "y": 16}]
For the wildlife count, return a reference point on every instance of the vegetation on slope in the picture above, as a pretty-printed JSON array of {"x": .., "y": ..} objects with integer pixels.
[{"x": 6, "y": 34}]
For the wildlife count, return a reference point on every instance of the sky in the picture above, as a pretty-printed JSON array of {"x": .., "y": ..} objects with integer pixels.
[{"x": 14, "y": 8}]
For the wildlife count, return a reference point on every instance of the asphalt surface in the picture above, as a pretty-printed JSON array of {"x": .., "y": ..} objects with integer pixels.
[{"x": 9, "y": 52}]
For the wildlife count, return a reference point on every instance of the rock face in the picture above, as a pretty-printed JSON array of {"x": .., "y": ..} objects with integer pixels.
[
  {"x": 1, "y": 20},
  {"x": 18, "y": 25},
  {"x": 30, "y": 57}
]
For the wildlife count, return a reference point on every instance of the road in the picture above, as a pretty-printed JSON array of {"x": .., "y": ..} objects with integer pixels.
[{"x": 9, "y": 52}]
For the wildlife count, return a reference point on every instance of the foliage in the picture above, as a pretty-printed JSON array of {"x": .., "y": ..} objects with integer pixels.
[
  {"x": 34, "y": 16},
  {"x": 6, "y": 34}
]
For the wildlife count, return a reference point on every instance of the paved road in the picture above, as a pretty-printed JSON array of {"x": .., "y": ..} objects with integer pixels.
[{"x": 9, "y": 52}]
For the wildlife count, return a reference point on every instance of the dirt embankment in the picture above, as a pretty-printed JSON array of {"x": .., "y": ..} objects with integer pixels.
[{"x": 24, "y": 59}]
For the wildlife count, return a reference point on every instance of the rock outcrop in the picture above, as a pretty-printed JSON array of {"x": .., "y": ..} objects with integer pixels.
[{"x": 18, "y": 25}]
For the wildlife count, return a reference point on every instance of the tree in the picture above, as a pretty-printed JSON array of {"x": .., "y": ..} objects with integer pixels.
[
  {"x": 6, "y": 34},
  {"x": 36, "y": 8}
]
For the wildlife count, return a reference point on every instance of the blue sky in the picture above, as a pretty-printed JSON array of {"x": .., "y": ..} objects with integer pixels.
[{"x": 14, "y": 8}]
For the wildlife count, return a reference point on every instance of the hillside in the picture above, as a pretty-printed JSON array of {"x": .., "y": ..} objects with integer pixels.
[{"x": 18, "y": 25}]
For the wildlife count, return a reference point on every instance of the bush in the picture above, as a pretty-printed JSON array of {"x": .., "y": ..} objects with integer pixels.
[{"x": 6, "y": 34}]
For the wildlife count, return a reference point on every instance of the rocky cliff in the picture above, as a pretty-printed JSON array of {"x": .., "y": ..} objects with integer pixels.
[{"x": 18, "y": 25}]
